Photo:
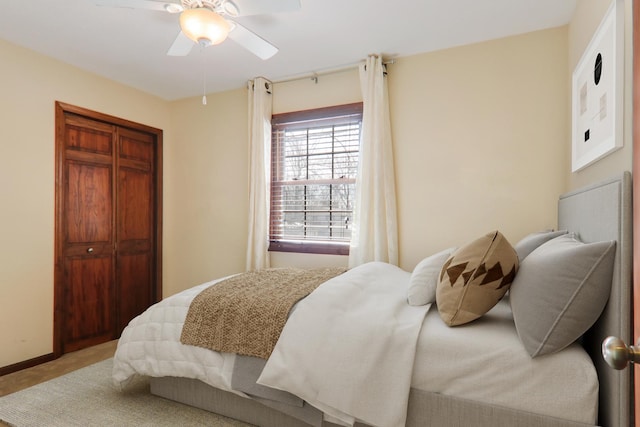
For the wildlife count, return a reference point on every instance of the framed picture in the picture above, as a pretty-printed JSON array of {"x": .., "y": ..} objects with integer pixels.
[{"x": 597, "y": 92}]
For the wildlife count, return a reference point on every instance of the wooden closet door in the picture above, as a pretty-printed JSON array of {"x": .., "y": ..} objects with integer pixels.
[
  {"x": 135, "y": 224},
  {"x": 108, "y": 225},
  {"x": 88, "y": 238}
]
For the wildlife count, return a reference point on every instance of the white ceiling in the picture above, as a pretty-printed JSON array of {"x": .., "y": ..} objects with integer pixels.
[{"x": 129, "y": 45}]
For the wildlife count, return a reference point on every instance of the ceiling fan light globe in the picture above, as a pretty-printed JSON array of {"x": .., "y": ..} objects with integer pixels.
[{"x": 204, "y": 24}]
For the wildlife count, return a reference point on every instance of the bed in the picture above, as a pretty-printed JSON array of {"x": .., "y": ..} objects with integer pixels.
[{"x": 514, "y": 389}]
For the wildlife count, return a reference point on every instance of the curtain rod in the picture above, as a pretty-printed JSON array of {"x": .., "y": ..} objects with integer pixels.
[{"x": 314, "y": 75}]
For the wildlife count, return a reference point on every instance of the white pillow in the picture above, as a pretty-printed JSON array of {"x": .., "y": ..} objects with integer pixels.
[{"x": 424, "y": 279}]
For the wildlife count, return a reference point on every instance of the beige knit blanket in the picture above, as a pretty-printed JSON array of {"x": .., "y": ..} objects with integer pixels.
[{"x": 245, "y": 314}]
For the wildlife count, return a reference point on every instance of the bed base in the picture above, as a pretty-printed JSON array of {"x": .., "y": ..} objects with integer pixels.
[{"x": 425, "y": 409}]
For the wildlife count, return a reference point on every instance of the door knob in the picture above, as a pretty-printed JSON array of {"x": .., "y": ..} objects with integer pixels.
[
  {"x": 90, "y": 250},
  {"x": 617, "y": 354}
]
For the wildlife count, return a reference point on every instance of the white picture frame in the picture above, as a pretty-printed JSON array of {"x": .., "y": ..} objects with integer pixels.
[{"x": 597, "y": 92}]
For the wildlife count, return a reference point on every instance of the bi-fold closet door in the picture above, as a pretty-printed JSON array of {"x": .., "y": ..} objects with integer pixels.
[{"x": 107, "y": 226}]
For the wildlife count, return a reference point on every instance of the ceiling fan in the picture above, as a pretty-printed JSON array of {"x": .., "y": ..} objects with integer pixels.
[{"x": 209, "y": 22}]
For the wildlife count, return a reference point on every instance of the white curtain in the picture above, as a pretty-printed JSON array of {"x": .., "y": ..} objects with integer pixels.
[
  {"x": 259, "y": 158},
  {"x": 375, "y": 233}
]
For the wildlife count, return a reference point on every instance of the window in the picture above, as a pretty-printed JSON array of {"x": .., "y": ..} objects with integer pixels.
[{"x": 314, "y": 161}]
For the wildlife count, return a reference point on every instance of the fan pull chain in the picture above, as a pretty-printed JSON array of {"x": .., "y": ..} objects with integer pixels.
[{"x": 204, "y": 77}]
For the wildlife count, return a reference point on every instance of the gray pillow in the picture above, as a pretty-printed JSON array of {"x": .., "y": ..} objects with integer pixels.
[
  {"x": 529, "y": 243},
  {"x": 560, "y": 291},
  {"x": 424, "y": 279}
]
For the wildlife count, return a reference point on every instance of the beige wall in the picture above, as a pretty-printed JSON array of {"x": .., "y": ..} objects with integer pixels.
[
  {"x": 205, "y": 188},
  {"x": 340, "y": 87},
  {"x": 478, "y": 132},
  {"x": 587, "y": 17},
  {"x": 480, "y": 135},
  {"x": 29, "y": 86}
]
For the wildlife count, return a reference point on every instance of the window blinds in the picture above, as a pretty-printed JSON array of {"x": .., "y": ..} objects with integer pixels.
[{"x": 314, "y": 167}]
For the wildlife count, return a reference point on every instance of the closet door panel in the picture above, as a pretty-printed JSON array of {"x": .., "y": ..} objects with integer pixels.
[
  {"x": 134, "y": 279},
  {"x": 88, "y": 203},
  {"x": 134, "y": 205},
  {"x": 90, "y": 293},
  {"x": 135, "y": 224},
  {"x": 83, "y": 134},
  {"x": 85, "y": 296}
]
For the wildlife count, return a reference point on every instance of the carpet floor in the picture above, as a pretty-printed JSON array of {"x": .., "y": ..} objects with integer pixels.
[{"x": 87, "y": 398}]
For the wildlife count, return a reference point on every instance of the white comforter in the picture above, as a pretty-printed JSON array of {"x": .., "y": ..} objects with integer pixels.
[
  {"x": 349, "y": 347},
  {"x": 150, "y": 345}
]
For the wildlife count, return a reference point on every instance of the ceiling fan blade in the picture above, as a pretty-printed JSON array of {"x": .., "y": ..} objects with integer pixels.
[
  {"x": 264, "y": 7},
  {"x": 181, "y": 46},
  {"x": 135, "y": 4},
  {"x": 252, "y": 42}
]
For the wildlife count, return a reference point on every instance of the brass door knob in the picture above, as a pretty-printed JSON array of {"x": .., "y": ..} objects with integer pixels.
[{"x": 618, "y": 354}]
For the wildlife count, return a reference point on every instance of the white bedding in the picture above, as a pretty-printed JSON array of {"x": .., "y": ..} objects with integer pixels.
[
  {"x": 482, "y": 361},
  {"x": 348, "y": 348},
  {"x": 485, "y": 361},
  {"x": 150, "y": 345}
]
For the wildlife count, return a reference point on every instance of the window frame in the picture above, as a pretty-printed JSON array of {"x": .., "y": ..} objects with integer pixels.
[{"x": 290, "y": 118}]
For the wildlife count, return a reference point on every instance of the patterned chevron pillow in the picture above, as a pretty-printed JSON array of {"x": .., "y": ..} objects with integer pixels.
[{"x": 475, "y": 278}]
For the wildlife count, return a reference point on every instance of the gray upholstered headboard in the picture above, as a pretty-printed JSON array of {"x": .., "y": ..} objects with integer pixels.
[{"x": 604, "y": 212}]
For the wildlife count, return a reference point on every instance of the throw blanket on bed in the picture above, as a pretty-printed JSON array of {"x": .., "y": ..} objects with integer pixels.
[
  {"x": 348, "y": 348},
  {"x": 246, "y": 313}
]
